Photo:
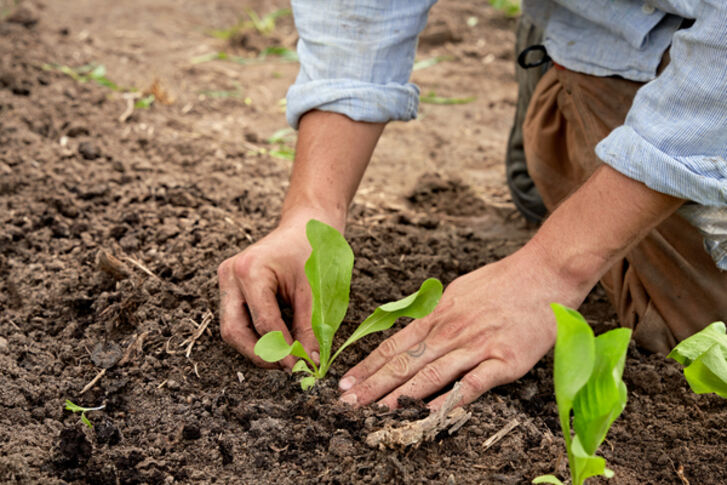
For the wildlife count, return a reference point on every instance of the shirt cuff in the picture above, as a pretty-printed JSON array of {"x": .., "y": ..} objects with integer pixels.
[
  {"x": 360, "y": 101},
  {"x": 699, "y": 178}
]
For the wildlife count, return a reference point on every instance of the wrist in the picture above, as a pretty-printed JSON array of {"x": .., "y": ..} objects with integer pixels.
[{"x": 298, "y": 211}]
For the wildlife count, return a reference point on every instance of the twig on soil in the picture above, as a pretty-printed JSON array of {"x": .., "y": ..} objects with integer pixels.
[
  {"x": 417, "y": 432},
  {"x": 93, "y": 382},
  {"x": 142, "y": 267},
  {"x": 189, "y": 342},
  {"x": 130, "y": 102},
  {"x": 680, "y": 474},
  {"x": 136, "y": 345},
  {"x": 500, "y": 434}
]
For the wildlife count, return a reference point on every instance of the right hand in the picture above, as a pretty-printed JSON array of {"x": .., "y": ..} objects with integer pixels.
[{"x": 251, "y": 280}]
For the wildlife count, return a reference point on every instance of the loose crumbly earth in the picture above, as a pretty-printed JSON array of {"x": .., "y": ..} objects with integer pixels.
[{"x": 174, "y": 189}]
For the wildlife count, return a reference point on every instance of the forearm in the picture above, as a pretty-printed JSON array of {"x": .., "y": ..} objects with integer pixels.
[
  {"x": 332, "y": 154},
  {"x": 597, "y": 225}
]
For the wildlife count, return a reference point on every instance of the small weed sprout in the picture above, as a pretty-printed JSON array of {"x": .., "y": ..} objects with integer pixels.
[{"x": 75, "y": 408}]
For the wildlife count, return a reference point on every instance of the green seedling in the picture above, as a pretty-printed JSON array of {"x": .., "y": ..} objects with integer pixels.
[
  {"x": 328, "y": 270},
  {"x": 282, "y": 53},
  {"x": 86, "y": 73},
  {"x": 508, "y": 7},
  {"x": 145, "y": 102},
  {"x": 704, "y": 357},
  {"x": 75, "y": 408},
  {"x": 432, "y": 98},
  {"x": 588, "y": 386},
  {"x": 265, "y": 25},
  {"x": 283, "y": 138}
]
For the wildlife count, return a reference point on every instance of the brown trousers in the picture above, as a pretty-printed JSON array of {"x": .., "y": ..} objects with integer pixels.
[{"x": 667, "y": 287}]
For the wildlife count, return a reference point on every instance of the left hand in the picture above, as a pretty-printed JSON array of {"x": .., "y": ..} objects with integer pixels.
[{"x": 490, "y": 328}]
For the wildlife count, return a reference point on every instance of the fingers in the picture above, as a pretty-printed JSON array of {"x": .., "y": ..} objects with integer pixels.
[
  {"x": 234, "y": 321},
  {"x": 432, "y": 377},
  {"x": 302, "y": 329},
  {"x": 259, "y": 289},
  {"x": 490, "y": 373},
  {"x": 396, "y": 371},
  {"x": 405, "y": 339}
]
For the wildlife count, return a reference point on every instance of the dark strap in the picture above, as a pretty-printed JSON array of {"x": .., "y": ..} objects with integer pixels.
[{"x": 522, "y": 58}]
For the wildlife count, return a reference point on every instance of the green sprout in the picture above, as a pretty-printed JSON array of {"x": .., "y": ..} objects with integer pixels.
[
  {"x": 432, "y": 98},
  {"x": 508, "y": 7},
  {"x": 587, "y": 372},
  {"x": 283, "y": 138},
  {"x": 75, "y": 408},
  {"x": 328, "y": 270},
  {"x": 265, "y": 25},
  {"x": 704, "y": 357}
]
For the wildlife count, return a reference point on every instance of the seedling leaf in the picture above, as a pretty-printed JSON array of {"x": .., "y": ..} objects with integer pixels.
[
  {"x": 272, "y": 347},
  {"x": 603, "y": 398},
  {"x": 307, "y": 382},
  {"x": 588, "y": 383},
  {"x": 574, "y": 343},
  {"x": 708, "y": 373},
  {"x": 691, "y": 348},
  {"x": 704, "y": 356},
  {"x": 547, "y": 479},
  {"x": 301, "y": 366},
  {"x": 417, "y": 305},
  {"x": 328, "y": 270}
]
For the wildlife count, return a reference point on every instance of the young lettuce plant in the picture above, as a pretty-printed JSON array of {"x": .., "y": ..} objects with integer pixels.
[
  {"x": 587, "y": 374},
  {"x": 328, "y": 270},
  {"x": 704, "y": 357}
]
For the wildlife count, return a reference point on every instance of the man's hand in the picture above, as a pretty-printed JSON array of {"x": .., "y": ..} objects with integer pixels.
[
  {"x": 331, "y": 156},
  {"x": 491, "y": 326},
  {"x": 250, "y": 283},
  {"x": 494, "y": 324}
]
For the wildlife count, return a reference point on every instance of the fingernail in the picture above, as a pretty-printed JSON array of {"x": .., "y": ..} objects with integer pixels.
[
  {"x": 349, "y": 399},
  {"x": 347, "y": 383},
  {"x": 316, "y": 357}
]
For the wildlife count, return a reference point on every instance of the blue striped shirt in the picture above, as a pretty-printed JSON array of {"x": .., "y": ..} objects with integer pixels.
[{"x": 356, "y": 58}]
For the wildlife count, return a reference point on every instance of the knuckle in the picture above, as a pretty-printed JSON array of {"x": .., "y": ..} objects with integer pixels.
[
  {"x": 222, "y": 269},
  {"x": 227, "y": 332},
  {"x": 431, "y": 374},
  {"x": 399, "y": 366},
  {"x": 474, "y": 381},
  {"x": 388, "y": 348},
  {"x": 243, "y": 264}
]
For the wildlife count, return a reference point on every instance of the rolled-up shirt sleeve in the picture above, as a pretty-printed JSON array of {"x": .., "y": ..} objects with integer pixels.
[
  {"x": 356, "y": 57},
  {"x": 674, "y": 138}
]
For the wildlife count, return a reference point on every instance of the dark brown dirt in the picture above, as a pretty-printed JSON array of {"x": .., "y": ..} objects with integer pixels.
[{"x": 161, "y": 193}]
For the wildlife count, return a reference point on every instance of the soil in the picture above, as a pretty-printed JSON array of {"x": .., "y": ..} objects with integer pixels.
[{"x": 176, "y": 188}]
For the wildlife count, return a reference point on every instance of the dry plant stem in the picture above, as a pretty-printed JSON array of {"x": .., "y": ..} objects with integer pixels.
[
  {"x": 142, "y": 267},
  {"x": 130, "y": 101},
  {"x": 500, "y": 434},
  {"x": 680, "y": 474},
  {"x": 416, "y": 432},
  {"x": 93, "y": 382},
  {"x": 189, "y": 342},
  {"x": 136, "y": 345}
]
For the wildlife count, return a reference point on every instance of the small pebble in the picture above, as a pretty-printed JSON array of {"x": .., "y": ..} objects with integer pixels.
[{"x": 3, "y": 344}]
